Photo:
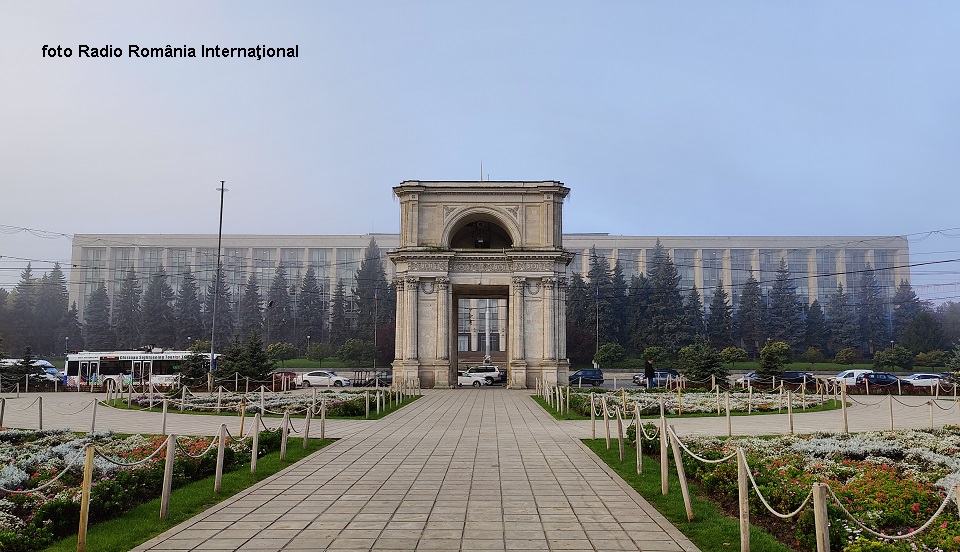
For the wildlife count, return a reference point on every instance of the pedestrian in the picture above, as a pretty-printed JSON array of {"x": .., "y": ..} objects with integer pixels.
[{"x": 649, "y": 373}]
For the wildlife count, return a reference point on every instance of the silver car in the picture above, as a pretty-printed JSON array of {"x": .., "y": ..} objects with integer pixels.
[{"x": 323, "y": 378}]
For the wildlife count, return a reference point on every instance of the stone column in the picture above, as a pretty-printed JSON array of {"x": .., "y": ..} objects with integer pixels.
[
  {"x": 518, "y": 363},
  {"x": 411, "y": 314},
  {"x": 562, "y": 318},
  {"x": 400, "y": 330},
  {"x": 549, "y": 319},
  {"x": 443, "y": 318}
]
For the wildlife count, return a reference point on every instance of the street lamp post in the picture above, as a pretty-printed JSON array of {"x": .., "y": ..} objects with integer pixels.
[
  {"x": 216, "y": 289},
  {"x": 66, "y": 345},
  {"x": 308, "y": 345}
]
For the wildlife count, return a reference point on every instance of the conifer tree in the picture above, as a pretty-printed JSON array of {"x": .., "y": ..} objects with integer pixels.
[
  {"x": 693, "y": 317},
  {"x": 906, "y": 307},
  {"x": 371, "y": 287},
  {"x": 126, "y": 312},
  {"x": 52, "y": 303},
  {"x": 23, "y": 310},
  {"x": 750, "y": 316},
  {"x": 159, "y": 322},
  {"x": 619, "y": 305},
  {"x": 924, "y": 334},
  {"x": 580, "y": 342},
  {"x": 251, "y": 309},
  {"x": 98, "y": 334},
  {"x": 339, "y": 329},
  {"x": 279, "y": 312},
  {"x": 311, "y": 309},
  {"x": 720, "y": 320},
  {"x": 602, "y": 316},
  {"x": 841, "y": 322},
  {"x": 70, "y": 331},
  {"x": 873, "y": 331},
  {"x": 187, "y": 311},
  {"x": 816, "y": 333},
  {"x": 225, "y": 325},
  {"x": 637, "y": 301},
  {"x": 784, "y": 321},
  {"x": 663, "y": 323}
]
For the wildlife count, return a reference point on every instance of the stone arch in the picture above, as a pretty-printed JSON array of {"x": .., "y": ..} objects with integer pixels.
[{"x": 467, "y": 228}]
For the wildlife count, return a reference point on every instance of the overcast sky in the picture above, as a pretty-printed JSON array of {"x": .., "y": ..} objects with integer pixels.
[{"x": 664, "y": 118}]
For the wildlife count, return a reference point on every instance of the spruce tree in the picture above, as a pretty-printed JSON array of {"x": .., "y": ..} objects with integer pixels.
[
  {"x": 664, "y": 321},
  {"x": 339, "y": 326},
  {"x": 619, "y": 304},
  {"x": 784, "y": 321},
  {"x": 23, "y": 310},
  {"x": 720, "y": 320},
  {"x": 906, "y": 307},
  {"x": 186, "y": 311},
  {"x": 750, "y": 316},
  {"x": 693, "y": 317},
  {"x": 311, "y": 312},
  {"x": 52, "y": 302},
  {"x": 279, "y": 313},
  {"x": 371, "y": 287},
  {"x": 580, "y": 342},
  {"x": 225, "y": 318},
  {"x": 637, "y": 301},
  {"x": 251, "y": 309},
  {"x": 98, "y": 334},
  {"x": 873, "y": 331},
  {"x": 924, "y": 334},
  {"x": 70, "y": 331},
  {"x": 841, "y": 321},
  {"x": 159, "y": 322},
  {"x": 126, "y": 313},
  {"x": 602, "y": 316},
  {"x": 816, "y": 332}
]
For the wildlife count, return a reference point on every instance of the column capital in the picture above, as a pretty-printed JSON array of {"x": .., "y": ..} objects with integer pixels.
[
  {"x": 549, "y": 282},
  {"x": 443, "y": 282}
]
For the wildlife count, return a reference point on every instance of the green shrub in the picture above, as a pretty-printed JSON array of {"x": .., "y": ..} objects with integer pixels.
[
  {"x": 896, "y": 356},
  {"x": 847, "y": 356},
  {"x": 609, "y": 353},
  {"x": 773, "y": 357},
  {"x": 932, "y": 359}
]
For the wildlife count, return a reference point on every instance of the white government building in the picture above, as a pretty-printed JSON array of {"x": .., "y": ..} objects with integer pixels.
[{"x": 818, "y": 264}]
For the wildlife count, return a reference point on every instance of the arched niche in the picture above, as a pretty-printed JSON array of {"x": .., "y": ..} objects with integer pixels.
[{"x": 480, "y": 229}]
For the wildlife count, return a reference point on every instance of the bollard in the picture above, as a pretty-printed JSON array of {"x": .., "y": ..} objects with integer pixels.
[
  {"x": 568, "y": 402},
  {"x": 681, "y": 474},
  {"x": 790, "y": 410},
  {"x": 167, "y": 476},
  {"x": 866, "y": 385},
  {"x": 26, "y": 384},
  {"x": 255, "y": 446},
  {"x": 283, "y": 435},
  {"x": 129, "y": 391},
  {"x": 803, "y": 394},
  {"x": 821, "y": 520},
  {"x": 163, "y": 417},
  {"x": 221, "y": 445},
  {"x": 743, "y": 493},
  {"x": 236, "y": 382},
  {"x": 843, "y": 406},
  {"x": 93, "y": 418},
  {"x": 306, "y": 428},
  {"x": 85, "y": 499},
  {"x": 593, "y": 417},
  {"x": 726, "y": 396}
]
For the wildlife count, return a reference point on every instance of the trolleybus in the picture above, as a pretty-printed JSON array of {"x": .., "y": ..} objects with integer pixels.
[{"x": 156, "y": 365}]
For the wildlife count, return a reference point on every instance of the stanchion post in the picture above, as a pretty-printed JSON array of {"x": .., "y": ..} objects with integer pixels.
[
  {"x": 931, "y": 413},
  {"x": 3, "y": 406},
  {"x": 593, "y": 417},
  {"x": 639, "y": 436},
  {"x": 167, "y": 476},
  {"x": 366, "y": 405},
  {"x": 283, "y": 435},
  {"x": 85, "y": 499},
  {"x": 93, "y": 418},
  {"x": 790, "y": 410},
  {"x": 40, "y": 413},
  {"x": 620, "y": 433},
  {"x": 163, "y": 418},
  {"x": 687, "y": 504},
  {"x": 221, "y": 446},
  {"x": 606, "y": 420},
  {"x": 726, "y": 396},
  {"x": 323, "y": 418},
  {"x": 743, "y": 493},
  {"x": 891, "y": 411},
  {"x": 306, "y": 427},
  {"x": 664, "y": 467},
  {"x": 255, "y": 446},
  {"x": 820, "y": 518},
  {"x": 843, "y": 406}
]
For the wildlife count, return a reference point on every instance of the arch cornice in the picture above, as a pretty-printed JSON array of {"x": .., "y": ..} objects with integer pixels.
[{"x": 499, "y": 215}]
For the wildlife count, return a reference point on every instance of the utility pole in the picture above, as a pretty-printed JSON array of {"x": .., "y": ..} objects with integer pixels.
[{"x": 216, "y": 288}]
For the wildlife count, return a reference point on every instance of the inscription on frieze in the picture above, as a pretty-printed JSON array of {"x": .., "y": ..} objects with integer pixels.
[
  {"x": 428, "y": 266},
  {"x": 533, "y": 266},
  {"x": 464, "y": 266}
]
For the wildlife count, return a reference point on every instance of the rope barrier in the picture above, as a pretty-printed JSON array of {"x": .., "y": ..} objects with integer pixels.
[
  {"x": 66, "y": 468},
  {"x": 129, "y": 464},
  {"x": 766, "y": 504},
  {"x": 694, "y": 455},
  {"x": 31, "y": 404},
  {"x": 236, "y": 439},
  {"x": 213, "y": 443},
  {"x": 916, "y": 531},
  {"x": 70, "y": 413}
]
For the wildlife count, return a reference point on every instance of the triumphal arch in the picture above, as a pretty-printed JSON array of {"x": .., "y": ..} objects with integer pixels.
[{"x": 481, "y": 239}]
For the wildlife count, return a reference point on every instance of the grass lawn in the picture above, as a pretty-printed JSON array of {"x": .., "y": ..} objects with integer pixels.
[
  {"x": 711, "y": 530},
  {"x": 143, "y": 522}
]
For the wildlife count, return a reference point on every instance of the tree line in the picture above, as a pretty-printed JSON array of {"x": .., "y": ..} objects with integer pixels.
[{"x": 651, "y": 315}]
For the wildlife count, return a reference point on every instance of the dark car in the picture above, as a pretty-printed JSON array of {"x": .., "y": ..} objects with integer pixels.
[
  {"x": 661, "y": 377},
  {"x": 381, "y": 379},
  {"x": 796, "y": 377},
  {"x": 883, "y": 379},
  {"x": 590, "y": 376}
]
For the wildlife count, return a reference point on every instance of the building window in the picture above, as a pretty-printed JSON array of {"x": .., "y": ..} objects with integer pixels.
[
  {"x": 685, "y": 261},
  {"x": 826, "y": 274},
  {"x": 151, "y": 258},
  {"x": 797, "y": 266},
  {"x": 769, "y": 265},
  {"x": 740, "y": 271},
  {"x": 712, "y": 274}
]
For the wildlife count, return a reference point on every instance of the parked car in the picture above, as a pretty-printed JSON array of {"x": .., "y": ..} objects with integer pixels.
[
  {"x": 476, "y": 380},
  {"x": 923, "y": 380},
  {"x": 882, "y": 379},
  {"x": 750, "y": 378},
  {"x": 850, "y": 376},
  {"x": 490, "y": 372},
  {"x": 796, "y": 377},
  {"x": 590, "y": 376},
  {"x": 661, "y": 377},
  {"x": 324, "y": 377},
  {"x": 380, "y": 379}
]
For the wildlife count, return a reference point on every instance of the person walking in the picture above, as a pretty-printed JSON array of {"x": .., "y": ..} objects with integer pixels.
[{"x": 649, "y": 373}]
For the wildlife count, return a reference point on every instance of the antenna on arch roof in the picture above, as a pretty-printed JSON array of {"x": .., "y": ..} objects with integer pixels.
[{"x": 481, "y": 170}]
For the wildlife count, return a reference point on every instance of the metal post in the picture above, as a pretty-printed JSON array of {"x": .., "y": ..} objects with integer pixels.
[{"x": 216, "y": 288}]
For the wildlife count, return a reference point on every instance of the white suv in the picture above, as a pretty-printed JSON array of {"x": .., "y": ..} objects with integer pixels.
[
  {"x": 323, "y": 377},
  {"x": 489, "y": 372}
]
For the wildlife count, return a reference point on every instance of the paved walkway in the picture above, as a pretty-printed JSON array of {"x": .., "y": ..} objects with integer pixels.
[{"x": 463, "y": 469}]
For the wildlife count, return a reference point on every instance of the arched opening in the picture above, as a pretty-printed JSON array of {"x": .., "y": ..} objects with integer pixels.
[{"x": 479, "y": 232}]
